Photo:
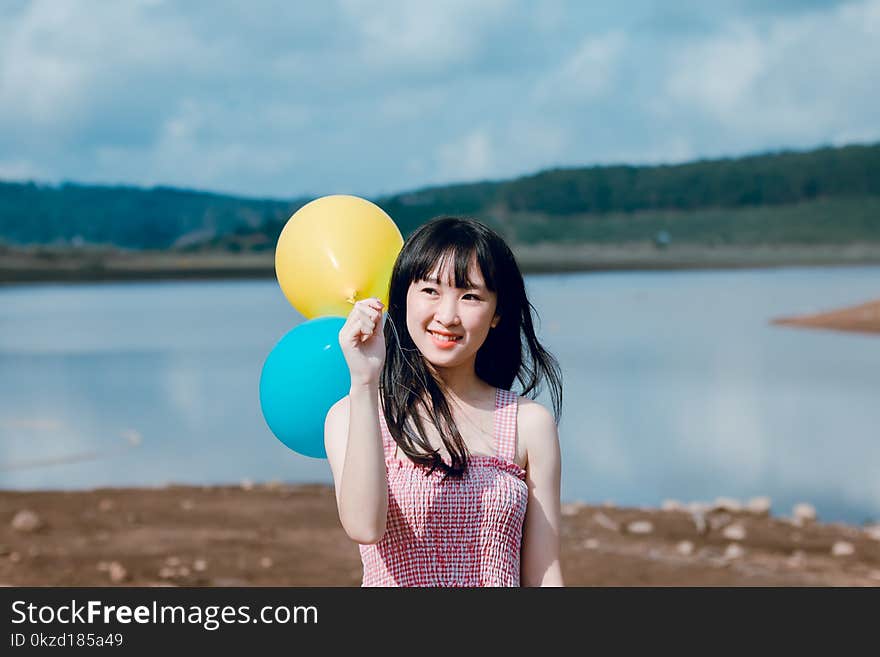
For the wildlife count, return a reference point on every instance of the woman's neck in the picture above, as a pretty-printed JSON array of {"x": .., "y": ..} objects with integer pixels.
[{"x": 462, "y": 382}]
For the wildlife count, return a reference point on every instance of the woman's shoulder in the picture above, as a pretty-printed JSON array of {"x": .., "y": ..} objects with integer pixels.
[
  {"x": 529, "y": 409},
  {"x": 534, "y": 419}
]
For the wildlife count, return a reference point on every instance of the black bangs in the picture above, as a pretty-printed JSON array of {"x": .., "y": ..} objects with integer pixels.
[{"x": 453, "y": 243}]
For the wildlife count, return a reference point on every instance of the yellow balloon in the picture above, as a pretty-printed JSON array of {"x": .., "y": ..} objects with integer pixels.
[{"x": 334, "y": 251}]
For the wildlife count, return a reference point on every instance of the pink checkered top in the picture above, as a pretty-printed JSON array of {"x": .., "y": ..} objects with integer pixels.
[{"x": 453, "y": 532}]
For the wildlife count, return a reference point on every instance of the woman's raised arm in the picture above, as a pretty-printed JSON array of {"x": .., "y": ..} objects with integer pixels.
[{"x": 352, "y": 437}]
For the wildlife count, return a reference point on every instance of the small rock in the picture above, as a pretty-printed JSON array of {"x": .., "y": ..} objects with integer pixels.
[
  {"x": 640, "y": 527},
  {"x": 4, "y": 550},
  {"x": 118, "y": 573},
  {"x": 266, "y": 562},
  {"x": 734, "y": 532},
  {"x": 200, "y": 565},
  {"x": 672, "y": 505},
  {"x": 604, "y": 521},
  {"x": 103, "y": 566},
  {"x": 726, "y": 504},
  {"x": 719, "y": 520},
  {"x": 591, "y": 544},
  {"x": 699, "y": 518},
  {"x": 873, "y": 531},
  {"x": 247, "y": 484},
  {"x": 187, "y": 505},
  {"x": 14, "y": 557},
  {"x": 183, "y": 571},
  {"x": 798, "y": 559},
  {"x": 273, "y": 485},
  {"x": 685, "y": 548},
  {"x": 803, "y": 512},
  {"x": 734, "y": 551},
  {"x": 874, "y": 574},
  {"x": 26, "y": 521},
  {"x": 842, "y": 549},
  {"x": 106, "y": 505},
  {"x": 609, "y": 504},
  {"x": 174, "y": 562},
  {"x": 234, "y": 581},
  {"x": 760, "y": 505},
  {"x": 571, "y": 509},
  {"x": 166, "y": 573}
]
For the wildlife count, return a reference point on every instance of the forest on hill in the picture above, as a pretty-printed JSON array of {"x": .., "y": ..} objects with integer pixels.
[{"x": 825, "y": 196}]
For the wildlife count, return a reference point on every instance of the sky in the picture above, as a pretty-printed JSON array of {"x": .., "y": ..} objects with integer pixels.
[{"x": 292, "y": 99}]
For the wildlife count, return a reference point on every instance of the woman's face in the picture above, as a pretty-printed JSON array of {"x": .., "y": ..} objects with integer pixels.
[{"x": 446, "y": 323}]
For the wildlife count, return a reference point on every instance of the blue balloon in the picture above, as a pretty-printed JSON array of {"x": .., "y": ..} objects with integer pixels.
[{"x": 303, "y": 376}]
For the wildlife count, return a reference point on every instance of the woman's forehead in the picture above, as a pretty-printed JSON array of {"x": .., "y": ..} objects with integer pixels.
[{"x": 443, "y": 273}]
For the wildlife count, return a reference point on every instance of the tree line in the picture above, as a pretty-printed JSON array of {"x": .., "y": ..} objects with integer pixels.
[{"x": 838, "y": 186}]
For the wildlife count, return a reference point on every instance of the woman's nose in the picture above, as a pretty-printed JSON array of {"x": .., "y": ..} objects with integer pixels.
[{"x": 447, "y": 312}]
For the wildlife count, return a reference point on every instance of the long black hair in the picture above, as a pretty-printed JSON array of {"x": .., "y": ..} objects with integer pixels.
[{"x": 511, "y": 351}]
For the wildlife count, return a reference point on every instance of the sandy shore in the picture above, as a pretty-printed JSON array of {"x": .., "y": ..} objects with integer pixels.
[
  {"x": 70, "y": 265},
  {"x": 864, "y": 318},
  {"x": 285, "y": 535}
]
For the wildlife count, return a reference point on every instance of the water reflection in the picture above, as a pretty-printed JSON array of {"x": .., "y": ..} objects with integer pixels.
[{"x": 676, "y": 386}]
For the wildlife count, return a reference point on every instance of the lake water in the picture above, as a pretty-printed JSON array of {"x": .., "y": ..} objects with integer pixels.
[{"x": 676, "y": 386}]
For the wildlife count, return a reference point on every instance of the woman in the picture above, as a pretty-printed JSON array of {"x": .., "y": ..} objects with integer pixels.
[{"x": 443, "y": 476}]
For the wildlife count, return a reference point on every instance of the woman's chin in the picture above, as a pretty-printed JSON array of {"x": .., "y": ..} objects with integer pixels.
[{"x": 441, "y": 358}]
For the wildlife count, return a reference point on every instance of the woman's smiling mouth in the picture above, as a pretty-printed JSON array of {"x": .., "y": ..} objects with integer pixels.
[{"x": 444, "y": 340}]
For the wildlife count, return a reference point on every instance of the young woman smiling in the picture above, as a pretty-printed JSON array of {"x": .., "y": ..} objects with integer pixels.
[{"x": 444, "y": 476}]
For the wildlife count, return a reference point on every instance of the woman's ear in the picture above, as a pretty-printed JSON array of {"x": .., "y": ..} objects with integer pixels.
[{"x": 495, "y": 321}]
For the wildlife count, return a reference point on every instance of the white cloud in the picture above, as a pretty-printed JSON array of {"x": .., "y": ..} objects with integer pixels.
[
  {"x": 36, "y": 79},
  {"x": 467, "y": 158},
  {"x": 280, "y": 100},
  {"x": 586, "y": 73},
  {"x": 407, "y": 34},
  {"x": 807, "y": 77},
  {"x": 19, "y": 170}
]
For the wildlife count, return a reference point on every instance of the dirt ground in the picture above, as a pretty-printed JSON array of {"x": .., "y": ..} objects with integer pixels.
[
  {"x": 69, "y": 265},
  {"x": 290, "y": 535},
  {"x": 864, "y": 318}
]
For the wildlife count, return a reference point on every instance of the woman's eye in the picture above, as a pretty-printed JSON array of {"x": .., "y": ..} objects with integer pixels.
[
  {"x": 471, "y": 296},
  {"x": 429, "y": 290}
]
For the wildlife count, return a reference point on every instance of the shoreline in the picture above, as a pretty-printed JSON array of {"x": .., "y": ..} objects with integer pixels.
[
  {"x": 277, "y": 534},
  {"x": 863, "y": 318},
  {"x": 65, "y": 265}
]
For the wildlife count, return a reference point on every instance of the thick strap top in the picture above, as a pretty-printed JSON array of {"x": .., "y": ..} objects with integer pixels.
[
  {"x": 459, "y": 531},
  {"x": 504, "y": 427}
]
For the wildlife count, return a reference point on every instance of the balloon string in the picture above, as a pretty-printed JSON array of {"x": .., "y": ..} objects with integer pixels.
[
  {"x": 397, "y": 344},
  {"x": 403, "y": 351}
]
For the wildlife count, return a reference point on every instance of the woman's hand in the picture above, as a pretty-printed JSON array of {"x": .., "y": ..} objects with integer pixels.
[{"x": 362, "y": 341}]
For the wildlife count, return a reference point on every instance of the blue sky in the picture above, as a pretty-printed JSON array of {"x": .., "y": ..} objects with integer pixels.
[{"x": 285, "y": 99}]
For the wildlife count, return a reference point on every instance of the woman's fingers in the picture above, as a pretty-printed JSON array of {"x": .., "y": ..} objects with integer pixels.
[
  {"x": 369, "y": 313},
  {"x": 364, "y": 319},
  {"x": 362, "y": 329}
]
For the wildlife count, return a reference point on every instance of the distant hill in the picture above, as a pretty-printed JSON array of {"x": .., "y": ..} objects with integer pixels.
[
  {"x": 130, "y": 217},
  {"x": 828, "y": 195}
]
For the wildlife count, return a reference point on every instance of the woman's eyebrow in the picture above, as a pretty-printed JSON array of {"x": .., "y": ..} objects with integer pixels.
[{"x": 469, "y": 284}]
